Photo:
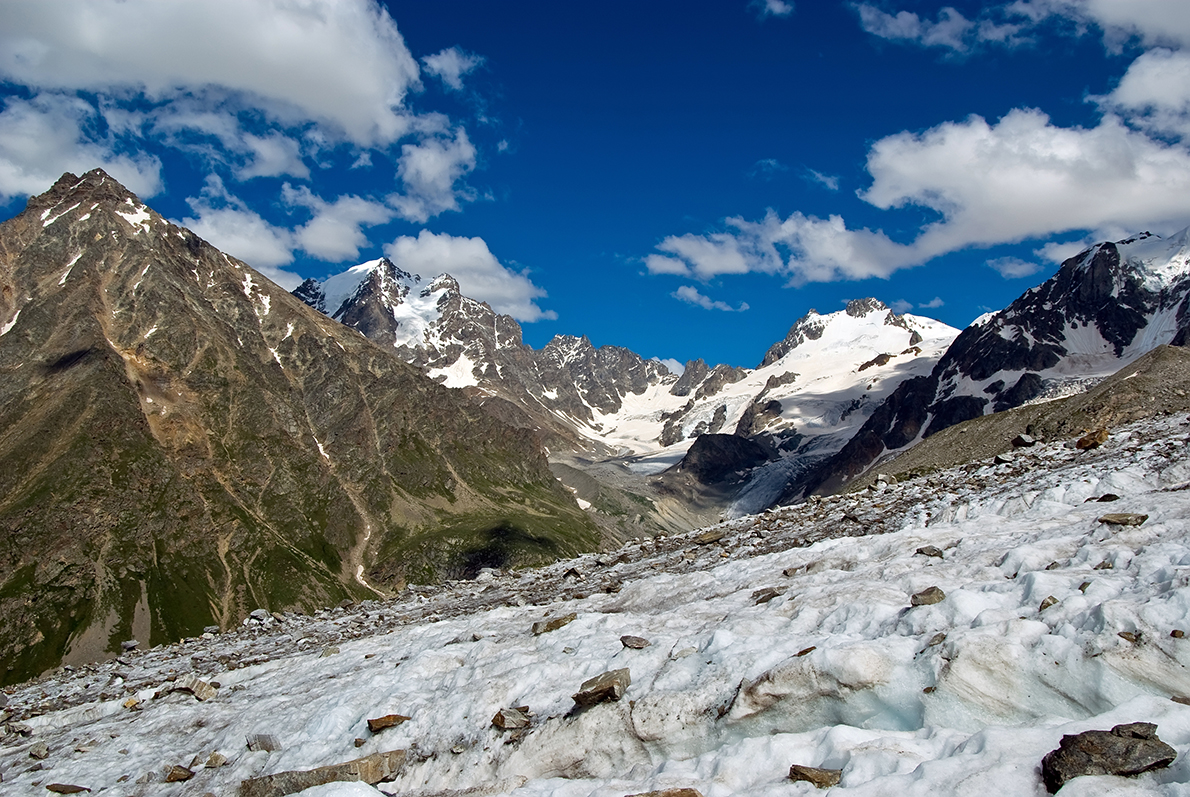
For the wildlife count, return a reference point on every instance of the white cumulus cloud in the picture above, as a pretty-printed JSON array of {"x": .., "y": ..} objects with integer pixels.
[
  {"x": 480, "y": 274},
  {"x": 1025, "y": 177},
  {"x": 992, "y": 183},
  {"x": 341, "y": 63},
  {"x": 43, "y": 137},
  {"x": 231, "y": 226},
  {"x": 950, "y": 29},
  {"x": 335, "y": 233},
  {"x": 1154, "y": 93},
  {"x": 431, "y": 171}
]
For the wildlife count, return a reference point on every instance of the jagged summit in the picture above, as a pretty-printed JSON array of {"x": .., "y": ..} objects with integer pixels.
[
  {"x": 1104, "y": 308},
  {"x": 859, "y": 318}
]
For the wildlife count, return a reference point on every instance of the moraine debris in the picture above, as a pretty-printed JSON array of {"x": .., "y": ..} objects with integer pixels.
[
  {"x": 387, "y": 721},
  {"x": 371, "y": 770},
  {"x": 196, "y": 686},
  {"x": 177, "y": 774},
  {"x": 553, "y": 624},
  {"x": 1092, "y": 440},
  {"x": 1123, "y": 519},
  {"x": 263, "y": 743},
  {"x": 767, "y": 594},
  {"x": 1124, "y": 750},
  {"x": 927, "y": 597},
  {"x": 511, "y": 719},
  {"x": 606, "y": 686},
  {"x": 821, "y": 778},
  {"x": 708, "y": 537}
]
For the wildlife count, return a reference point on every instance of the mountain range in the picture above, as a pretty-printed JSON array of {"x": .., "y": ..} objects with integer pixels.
[
  {"x": 182, "y": 441},
  {"x": 801, "y": 404},
  {"x": 842, "y": 391}
]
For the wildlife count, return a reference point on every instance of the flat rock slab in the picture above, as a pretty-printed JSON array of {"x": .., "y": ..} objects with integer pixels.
[
  {"x": 510, "y": 719},
  {"x": 66, "y": 788},
  {"x": 177, "y": 774},
  {"x": 196, "y": 686},
  {"x": 1124, "y": 750},
  {"x": 634, "y": 642},
  {"x": 1123, "y": 519},
  {"x": 370, "y": 769},
  {"x": 766, "y": 594},
  {"x": 387, "y": 721},
  {"x": 930, "y": 550},
  {"x": 821, "y": 778},
  {"x": 263, "y": 742},
  {"x": 608, "y": 686},
  {"x": 928, "y": 596},
  {"x": 708, "y": 537},
  {"x": 553, "y": 624},
  {"x": 668, "y": 793}
]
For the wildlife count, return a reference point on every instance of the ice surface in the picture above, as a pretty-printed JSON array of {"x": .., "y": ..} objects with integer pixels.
[{"x": 961, "y": 697}]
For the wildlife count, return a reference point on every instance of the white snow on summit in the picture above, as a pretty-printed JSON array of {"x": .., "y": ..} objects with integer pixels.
[{"x": 1161, "y": 261}]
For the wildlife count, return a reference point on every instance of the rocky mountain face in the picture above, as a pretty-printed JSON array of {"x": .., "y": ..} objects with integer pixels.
[
  {"x": 1104, "y": 308},
  {"x": 182, "y": 441},
  {"x": 809, "y": 394},
  {"x": 463, "y": 343}
]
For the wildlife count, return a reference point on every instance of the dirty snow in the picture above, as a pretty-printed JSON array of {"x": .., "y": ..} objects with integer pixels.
[{"x": 961, "y": 697}]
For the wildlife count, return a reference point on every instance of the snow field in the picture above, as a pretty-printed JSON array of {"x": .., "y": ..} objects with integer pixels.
[{"x": 960, "y": 697}]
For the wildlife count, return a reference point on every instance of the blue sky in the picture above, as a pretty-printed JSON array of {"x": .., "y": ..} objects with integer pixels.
[{"x": 685, "y": 180}]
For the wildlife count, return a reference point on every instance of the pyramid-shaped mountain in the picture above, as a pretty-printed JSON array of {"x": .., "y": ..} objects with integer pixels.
[{"x": 182, "y": 441}]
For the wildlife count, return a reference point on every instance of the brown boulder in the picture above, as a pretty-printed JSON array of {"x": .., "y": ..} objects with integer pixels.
[
  {"x": 927, "y": 597},
  {"x": 387, "y": 721},
  {"x": 821, "y": 778},
  {"x": 607, "y": 686}
]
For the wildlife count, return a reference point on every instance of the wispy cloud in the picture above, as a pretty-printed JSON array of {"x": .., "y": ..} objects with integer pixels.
[
  {"x": 901, "y": 306},
  {"x": 450, "y": 65},
  {"x": 690, "y": 295},
  {"x": 772, "y": 8},
  {"x": 767, "y": 169},
  {"x": 1013, "y": 267},
  {"x": 827, "y": 180}
]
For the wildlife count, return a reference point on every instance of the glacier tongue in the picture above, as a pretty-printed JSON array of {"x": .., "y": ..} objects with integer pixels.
[{"x": 778, "y": 639}]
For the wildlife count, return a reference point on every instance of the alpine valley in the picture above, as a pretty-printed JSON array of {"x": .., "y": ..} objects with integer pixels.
[{"x": 183, "y": 442}]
